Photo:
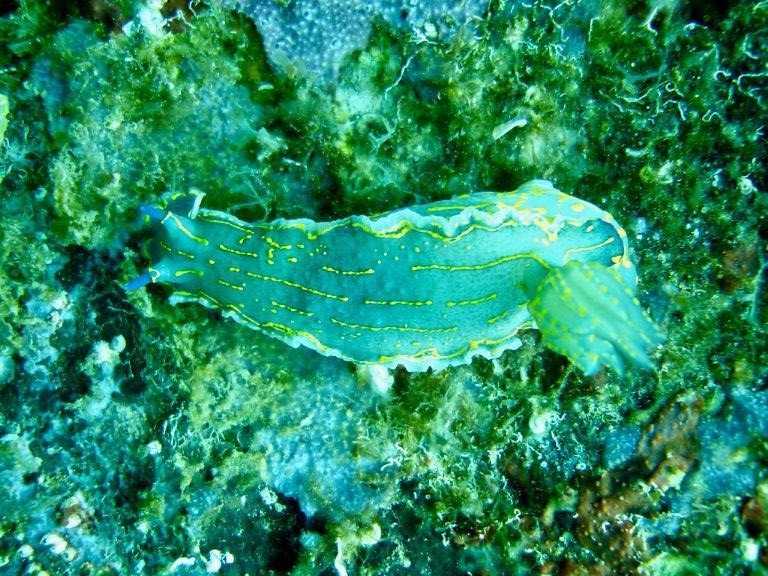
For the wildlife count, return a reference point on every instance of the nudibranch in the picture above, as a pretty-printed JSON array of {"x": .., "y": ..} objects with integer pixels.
[{"x": 428, "y": 286}]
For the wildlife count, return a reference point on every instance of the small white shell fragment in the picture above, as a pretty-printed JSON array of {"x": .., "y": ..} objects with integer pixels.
[
  {"x": 378, "y": 377},
  {"x": 502, "y": 129}
]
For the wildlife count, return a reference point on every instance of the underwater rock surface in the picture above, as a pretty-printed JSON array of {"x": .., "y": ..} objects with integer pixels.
[
  {"x": 316, "y": 35},
  {"x": 138, "y": 437}
]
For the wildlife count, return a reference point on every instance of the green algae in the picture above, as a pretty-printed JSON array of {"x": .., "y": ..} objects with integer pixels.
[
  {"x": 138, "y": 436},
  {"x": 4, "y": 109}
]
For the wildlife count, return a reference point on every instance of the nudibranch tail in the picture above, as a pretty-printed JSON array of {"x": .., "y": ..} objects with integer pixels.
[{"x": 586, "y": 312}]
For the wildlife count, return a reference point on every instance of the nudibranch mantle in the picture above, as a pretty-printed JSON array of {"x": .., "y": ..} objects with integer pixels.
[{"x": 429, "y": 286}]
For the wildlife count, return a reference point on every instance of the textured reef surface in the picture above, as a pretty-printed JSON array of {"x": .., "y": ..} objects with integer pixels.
[
  {"x": 140, "y": 437},
  {"x": 316, "y": 35}
]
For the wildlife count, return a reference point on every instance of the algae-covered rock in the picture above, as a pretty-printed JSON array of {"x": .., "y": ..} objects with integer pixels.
[
  {"x": 316, "y": 35},
  {"x": 140, "y": 437},
  {"x": 4, "y": 109}
]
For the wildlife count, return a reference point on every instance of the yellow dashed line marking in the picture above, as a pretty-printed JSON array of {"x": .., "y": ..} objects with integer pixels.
[
  {"x": 239, "y": 287},
  {"x": 184, "y": 230},
  {"x": 238, "y": 252},
  {"x": 468, "y": 302},
  {"x": 274, "y": 244},
  {"x": 394, "y": 328},
  {"x": 292, "y": 309},
  {"x": 400, "y": 302},
  {"x": 569, "y": 252},
  {"x": 297, "y": 286},
  {"x": 348, "y": 272},
  {"x": 502, "y": 260},
  {"x": 495, "y": 319}
]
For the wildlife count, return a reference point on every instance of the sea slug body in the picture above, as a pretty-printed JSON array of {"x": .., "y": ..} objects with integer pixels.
[{"x": 428, "y": 286}]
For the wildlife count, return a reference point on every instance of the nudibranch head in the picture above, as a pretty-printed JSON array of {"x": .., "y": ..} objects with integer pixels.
[{"x": 424, "y": 287}]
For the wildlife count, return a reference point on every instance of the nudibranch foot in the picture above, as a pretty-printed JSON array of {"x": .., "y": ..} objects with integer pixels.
[{"x": 586, "y": 312}]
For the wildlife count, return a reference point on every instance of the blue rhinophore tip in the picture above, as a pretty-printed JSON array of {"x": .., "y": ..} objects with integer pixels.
[{"x": 139, "y": 281}]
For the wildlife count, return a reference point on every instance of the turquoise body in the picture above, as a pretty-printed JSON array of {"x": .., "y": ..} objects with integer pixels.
[{"x": 424, "y": 287}]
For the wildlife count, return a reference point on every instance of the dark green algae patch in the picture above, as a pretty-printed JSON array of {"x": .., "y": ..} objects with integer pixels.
[{"x": 140, "y": 437}]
